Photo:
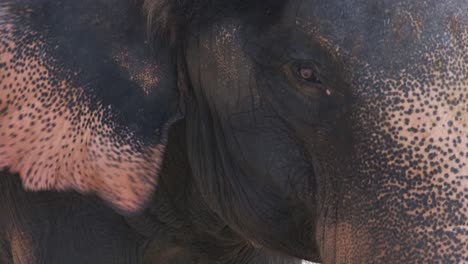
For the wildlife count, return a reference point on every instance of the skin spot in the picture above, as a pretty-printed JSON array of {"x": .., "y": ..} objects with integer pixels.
[{"x": 145, "y": 73}]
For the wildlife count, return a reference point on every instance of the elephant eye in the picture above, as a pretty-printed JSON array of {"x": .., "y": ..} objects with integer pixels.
[
  {"x": 304, "y": 78},
  {"x": 307, "y": 73}
]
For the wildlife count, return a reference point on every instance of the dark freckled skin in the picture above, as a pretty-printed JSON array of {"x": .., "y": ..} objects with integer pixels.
[
  {"x": 46, "y": 104},
  {"x": 366, "y": 165},
  {"x": 405, "y": 201}
]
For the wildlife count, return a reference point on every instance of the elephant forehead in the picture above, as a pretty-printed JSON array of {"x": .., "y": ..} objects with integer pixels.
[{"x": 385, "y": 33}]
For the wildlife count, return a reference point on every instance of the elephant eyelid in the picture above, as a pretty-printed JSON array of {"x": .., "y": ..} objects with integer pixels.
[
  {"x": 306, "y": 72},
  {"x": 304, "y": 76}
]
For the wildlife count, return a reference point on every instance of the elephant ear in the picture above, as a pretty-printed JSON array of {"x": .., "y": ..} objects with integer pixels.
[{"x": 83, "y": 106}]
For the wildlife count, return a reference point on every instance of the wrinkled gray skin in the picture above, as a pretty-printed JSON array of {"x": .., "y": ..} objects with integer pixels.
[
  {"x": 365, "y": 163},
  {"x": 376, "y": 166}
]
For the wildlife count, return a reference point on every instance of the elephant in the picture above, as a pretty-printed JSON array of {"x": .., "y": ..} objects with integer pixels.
[
  {"x": 330, "y": 131},
  {"x": 81, "y": 77}
]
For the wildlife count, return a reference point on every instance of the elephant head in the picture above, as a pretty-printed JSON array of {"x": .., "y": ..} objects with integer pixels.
[{"x": 329, "y": 127}]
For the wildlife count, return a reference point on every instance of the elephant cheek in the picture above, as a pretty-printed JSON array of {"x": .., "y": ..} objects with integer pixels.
[
  {"x": 342, "y": 242},
  {"x": 408, "y": 186}
]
